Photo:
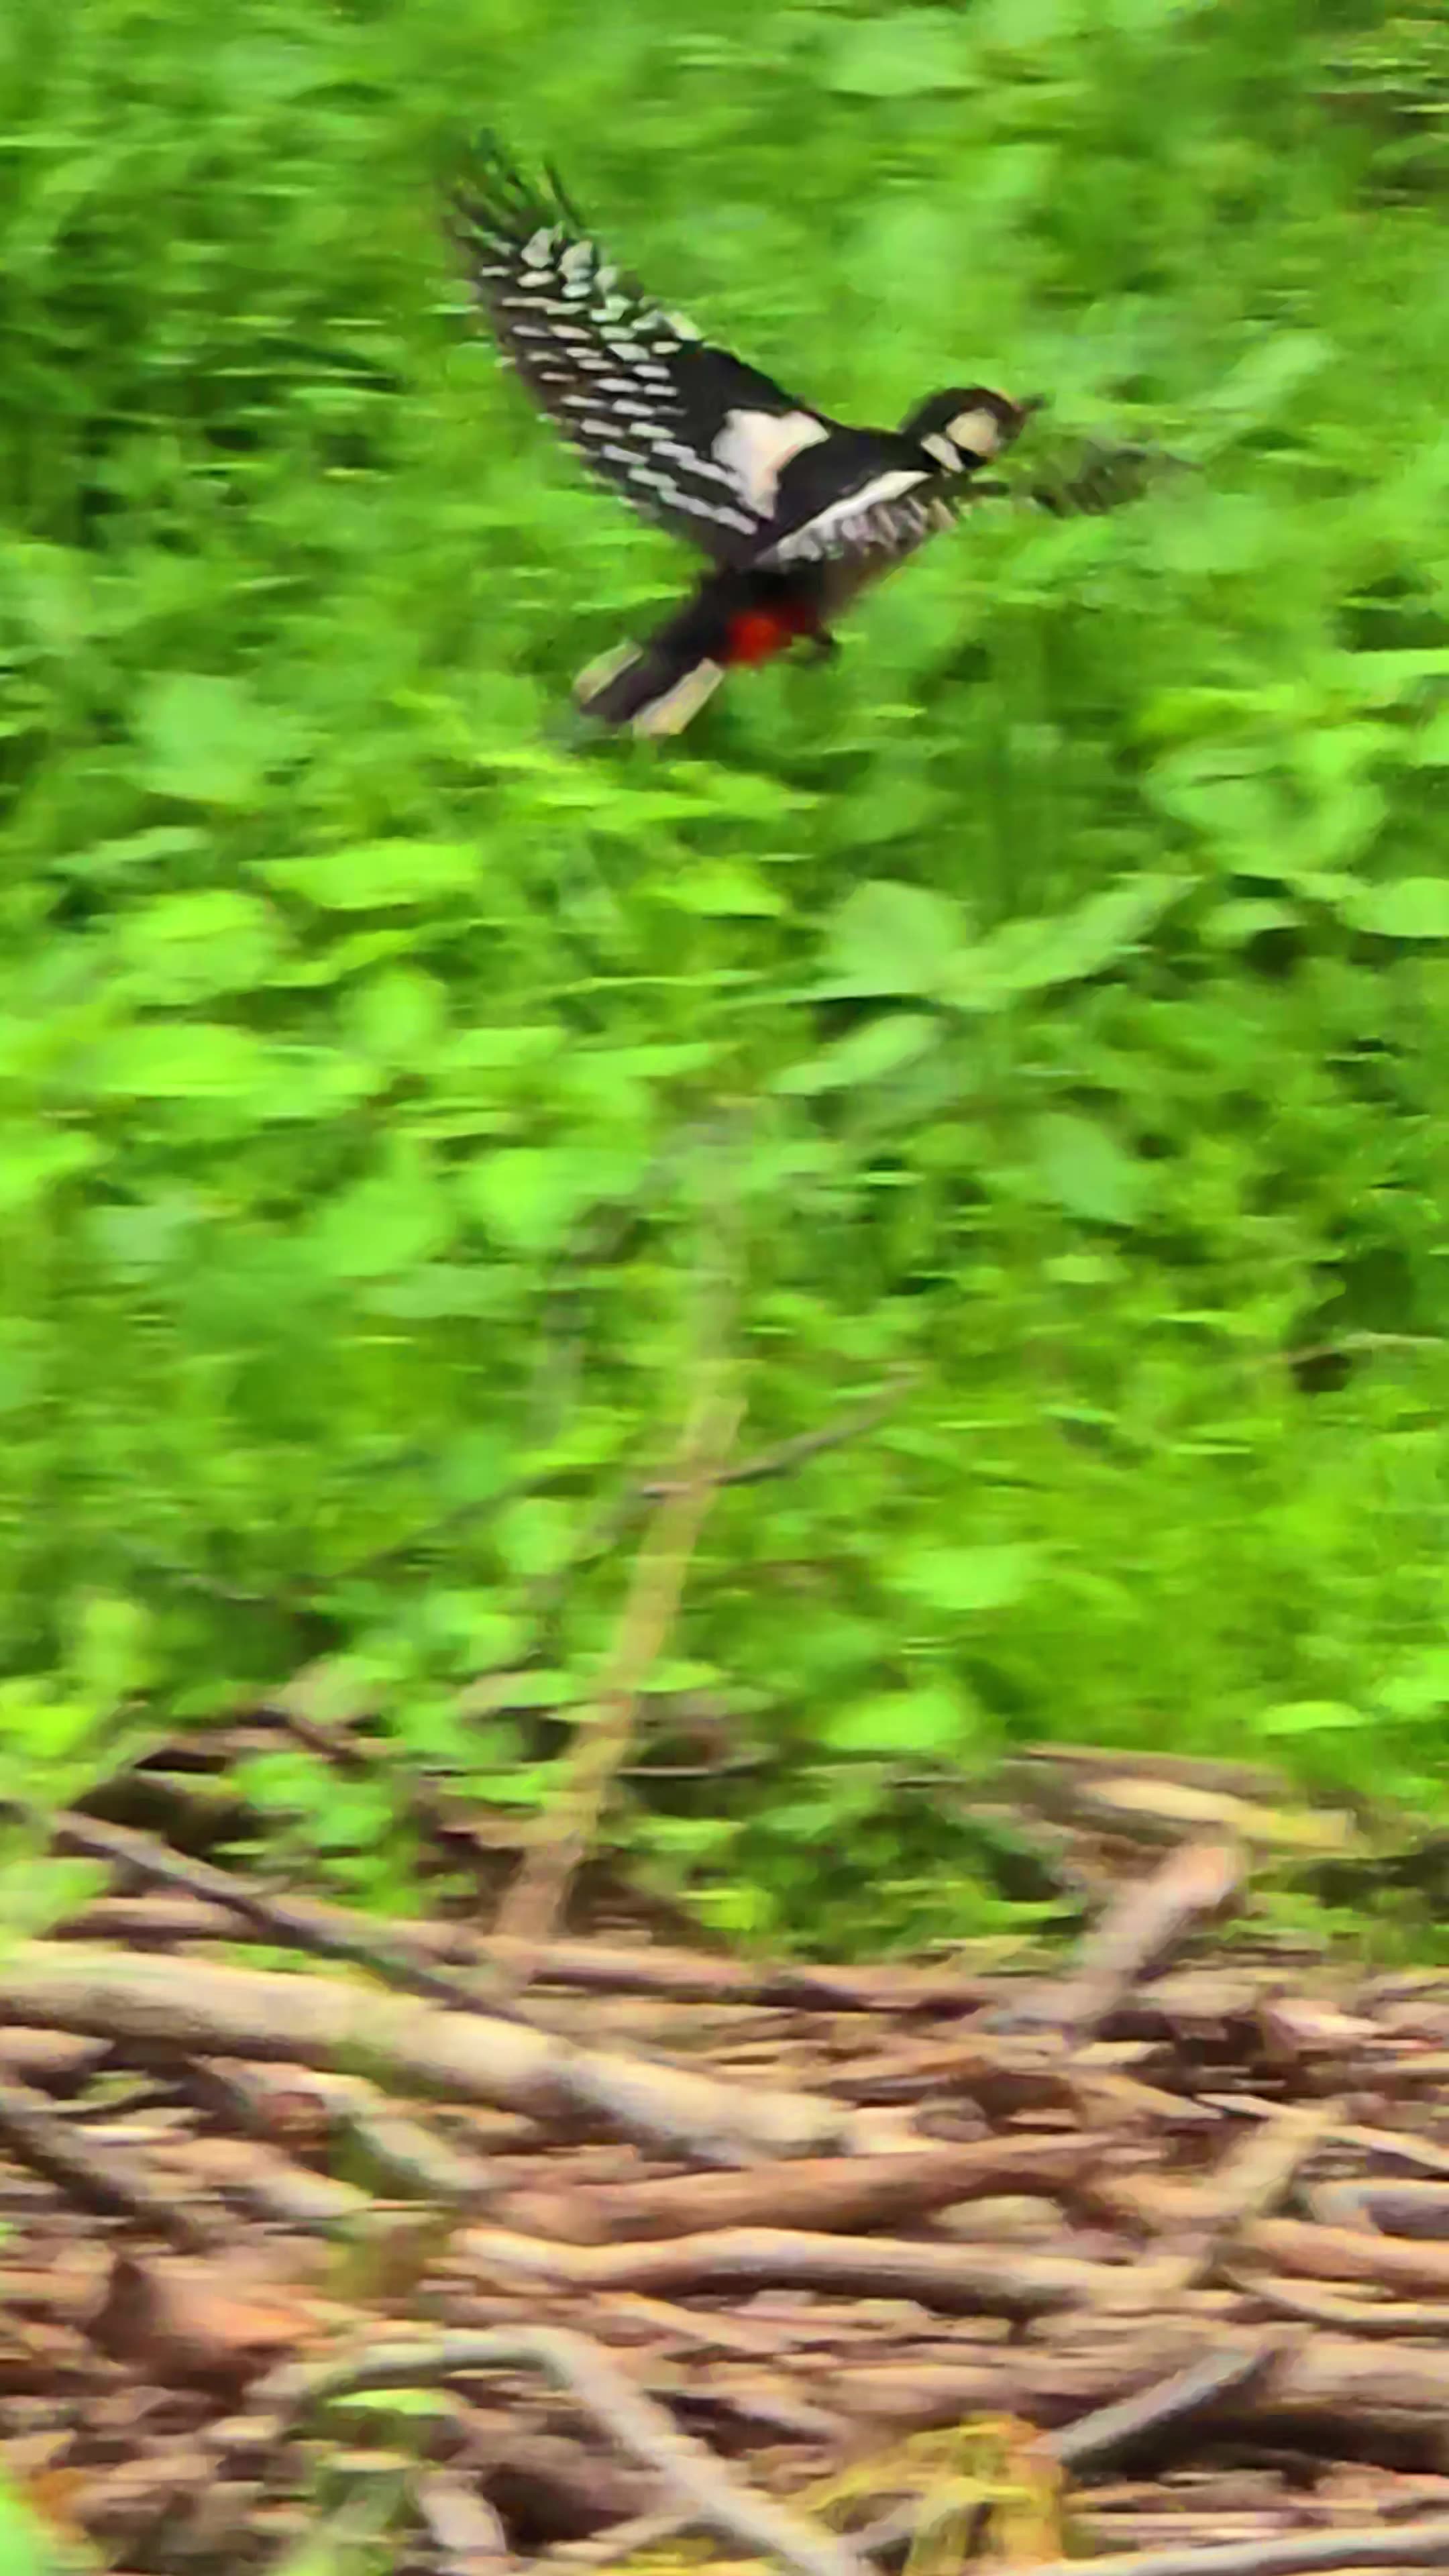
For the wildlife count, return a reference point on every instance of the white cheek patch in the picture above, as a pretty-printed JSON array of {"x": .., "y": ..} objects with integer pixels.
[
  {"x": 978, "y": 432},
  {"x": 754, "y": 447}
]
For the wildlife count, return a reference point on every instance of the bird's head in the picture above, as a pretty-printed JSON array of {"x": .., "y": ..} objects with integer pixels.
[{"x": 967, "y": 425}]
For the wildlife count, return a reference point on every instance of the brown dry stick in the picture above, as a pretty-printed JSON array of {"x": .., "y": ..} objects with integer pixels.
[{"x": 712, "y": 2494}]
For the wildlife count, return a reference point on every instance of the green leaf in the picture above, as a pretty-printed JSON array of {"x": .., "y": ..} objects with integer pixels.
[
  {"x": 866, "y": 1054},
  {"x": 1311, "y": 1717},
  {"x": 725, "y": 889},
  {"x": 386, "y": 1222},
  {"x": 377, "y": 874},
  {"x": 399, "y": 1015},
  {"x": 1420, "y": 1688},
  {"x": 1023, "y": 26},
  {"x": 968, "y": 1578},
  {"x": 1080, "y": 1165},
  {"x": 29, "y": 2548},
  {"x": 1404, "y": 908},
  {"x": 1035, "y": 956},
  {"x": 187, "y": 947},
  {"x": 36, "y": 1893},
  {"x": 135, "y": 850},
  {"x": 1243, "y": 918},
  {"x": 892, "y": 939},
  {"x": 1429, "y": 747},
  {"x": 1266, "y": 379},
  {"x": 180, "y": 1060},
  {"x": 934, "y": 1718},
  {"x": 529, "y": 1195},
  {"x": 347, "y": 2546},
  {"x": 904, "y": 56},
  {"x": 424, "y": 2405},
  {"x": 207, "y": 741},
  {"x": 35, "y": 1160}
]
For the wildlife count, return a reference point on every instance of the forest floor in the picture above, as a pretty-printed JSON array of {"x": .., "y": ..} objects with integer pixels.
[{"x": 417, "y": 2250}]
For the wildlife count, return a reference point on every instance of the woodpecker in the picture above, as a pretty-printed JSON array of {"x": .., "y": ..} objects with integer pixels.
[{"x": 796, "y": 512}]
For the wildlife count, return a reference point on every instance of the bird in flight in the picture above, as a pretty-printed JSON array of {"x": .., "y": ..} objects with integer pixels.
[{"x": 796, "y": 513}]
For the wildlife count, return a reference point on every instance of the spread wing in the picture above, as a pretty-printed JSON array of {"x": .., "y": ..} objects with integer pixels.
[
  {"x": 1105, "y": 477},
  {"x": 878, "y": 520},
  {"x": 890, "y": 510},
  {"x": 692, "y": 437}
]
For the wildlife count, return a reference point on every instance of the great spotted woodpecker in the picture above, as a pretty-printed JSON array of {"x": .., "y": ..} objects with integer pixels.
[{"x": 797, "y": 512}]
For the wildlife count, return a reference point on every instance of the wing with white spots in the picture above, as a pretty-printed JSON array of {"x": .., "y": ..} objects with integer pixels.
[
  {"x": 691, "y": 436},
  {"x": 879, "y": 520}
]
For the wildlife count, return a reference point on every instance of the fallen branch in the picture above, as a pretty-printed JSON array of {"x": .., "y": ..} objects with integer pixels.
[
  {"x": 1348, "y": 2254},
  {"x": 582, "y": 1967},
  {"x": 1394, "y": 2393},
  {"x": 318, "y": 1930},
  {"x": 612, "y": 2548},
  {"x": 1255, "y": 2175},
  {"x": 1096, "y": 2438},
  {"x": 1417, "y": 2209},
  {"x": 1384, "y": 2317},
  {"x": 840, "y": 2192},
  {"x": 185, "y": 2007},
  {"x": 711, "y": 2493},
  {"x": 1108, "y": 2431},
  {"x": 1198, "y": 1882},
  {"x": 959, "y": 2280},
  {"x": 98, "y": 2177},
  {"x": 1301, "y": 2553}
]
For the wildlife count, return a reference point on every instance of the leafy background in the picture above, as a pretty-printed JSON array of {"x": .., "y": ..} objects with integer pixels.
[{"x": 1048, "y": 999}]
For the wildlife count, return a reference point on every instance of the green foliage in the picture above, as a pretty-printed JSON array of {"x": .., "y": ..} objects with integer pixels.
[
  {"x": 33, "y": 2547},
  {"x": 1049, "y": 995}
]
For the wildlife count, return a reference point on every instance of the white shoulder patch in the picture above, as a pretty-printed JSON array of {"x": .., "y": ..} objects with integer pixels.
[{"x": 756, "y": 446}]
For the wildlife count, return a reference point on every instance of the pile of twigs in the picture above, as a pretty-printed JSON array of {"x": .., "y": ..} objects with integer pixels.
[{"x": 478, "y": 2254}]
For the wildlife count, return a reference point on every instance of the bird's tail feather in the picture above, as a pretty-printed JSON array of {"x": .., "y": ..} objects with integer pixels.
[{"x": 652, "y": 688}]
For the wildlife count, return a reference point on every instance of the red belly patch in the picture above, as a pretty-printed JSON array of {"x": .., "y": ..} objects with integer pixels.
[{"x": 758, "y": 633}]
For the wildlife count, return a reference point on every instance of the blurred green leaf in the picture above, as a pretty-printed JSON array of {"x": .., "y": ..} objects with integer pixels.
[
  {"x": 529, "y": 1196},
  {"x": 725, "y": 889},
  {"x": 868, "y": 1054},
  {"x": 931, "y": 1719},
  {"x": 206, "y": 740},
  {"x": 387, "y": 1221},
  {"x": 1080, "y": 1164},
  {"x": 895, "y": 939},
  {"x": 29, "y": 2547},
  {"x": 1309, "y": 1717},
  {"x": 968, "y": 1578},
  {"x": 181, "y": 1059},
  {"x": 1403, "y": 908},
  {"x": 902, "y": 56},
  {"x": 378, "y": 874}
]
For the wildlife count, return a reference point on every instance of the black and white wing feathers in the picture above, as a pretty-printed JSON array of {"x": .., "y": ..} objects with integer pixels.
[
  {"x": 879, "y": 519},
  {"x": 892, "y": 507},
  {"x": 691, "y": 436}
]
